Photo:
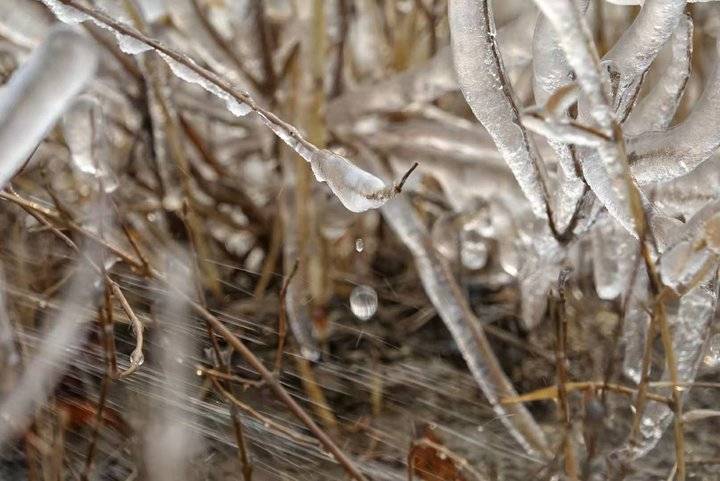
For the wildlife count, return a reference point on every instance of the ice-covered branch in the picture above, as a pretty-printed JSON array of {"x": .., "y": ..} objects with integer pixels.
[
  {"x": 613, "y": 184},
  {"x": 482, "y": 79},
  {"x": 663, "y": 156},
  {"x": 447, "y": 297},
  {"x": 430, "y": 80},
  {"x": 638, "y": 46},
  {"x": 39, "y": 92},
  {"x": 657, "y": 109},
  {"x": 358, "y": 190}
]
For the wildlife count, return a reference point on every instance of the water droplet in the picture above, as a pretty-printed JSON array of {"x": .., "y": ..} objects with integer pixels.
[
  {"x": 363, "y": 302},
  {"x": 137, "y": 358},
  {"x": 199, "y": 372},
  {"x": 359, "y": 245}
]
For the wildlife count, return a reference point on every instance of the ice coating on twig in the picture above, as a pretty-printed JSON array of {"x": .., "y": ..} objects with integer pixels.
[
  {"x": 690, "y": 326},
  {"x": 448, "y": 299},
  {"x": 240, "y": 103},
  {"x": 188, "y": 74},
  {"x": 482, "y": 80},
  {"x": 357, "y": 190},
  {"x": 613, "y": 184},
  {"x": 638, "y": 46},
  {"x": 663, "y": 156},
  {"x": 25, "y": 23},
  {"x": 430, "y": 80},
  {"x": 39, "y": 92}
]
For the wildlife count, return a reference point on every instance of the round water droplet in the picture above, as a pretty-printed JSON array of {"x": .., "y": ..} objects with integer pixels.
[
  {"x": 359, "y": 245},
  {"x": 712, "y": 352},
  {"x": 363, "y": 302},
  {"x": 137, "y": 358}
]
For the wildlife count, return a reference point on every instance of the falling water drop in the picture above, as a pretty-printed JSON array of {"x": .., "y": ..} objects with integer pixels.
[
  {"x": 363, "y": 302},
  {"x": 359, "y": 245}
]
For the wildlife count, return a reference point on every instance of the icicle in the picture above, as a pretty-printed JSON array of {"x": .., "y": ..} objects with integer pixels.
[
  {"x": 169, "y": 440},
  {"x": 39, "y": 92},
  {"x": 636, "y": 323},
  {"x": 487, "y": 91},
  {"x": 535, "y": 284},
  {"x": 657, "y": 109}
]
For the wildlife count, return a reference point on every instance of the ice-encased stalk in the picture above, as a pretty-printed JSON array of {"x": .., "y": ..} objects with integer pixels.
[
  {"x": 481, "y": 76},
  {"x": 38, "y": 94}
]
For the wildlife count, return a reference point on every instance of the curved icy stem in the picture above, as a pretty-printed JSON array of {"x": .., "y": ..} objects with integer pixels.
[
  {"x": 657, "y": 109},
  {"x": 429, "y": 81},
  {"x": 448, "y": 299},
  {"x": 633, "y": 53},
  {"x": 38, "y": 94},
  {"x": 357, "y": 189},
  {"x": 614, "y": 186},
  {"x": 690, "y": 325},
  {"x": 482, "y": 80},
  {"x": 551, "y": 74},
  {"x": 663, "y": 156},
  {"x": 24, "y": 23}
]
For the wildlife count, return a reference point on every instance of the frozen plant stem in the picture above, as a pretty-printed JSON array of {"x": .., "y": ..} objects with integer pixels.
[
  {"x": 449, "y": 301},
  {"x": 357, "y": 189},
  {"x": 487, "y": 91},
  {"x": 612, "y": 182},
  {"x": 38, "y": 94}
]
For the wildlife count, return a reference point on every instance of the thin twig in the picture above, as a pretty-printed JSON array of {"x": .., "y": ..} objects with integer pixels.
[{"x": 282, "y": 319}]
